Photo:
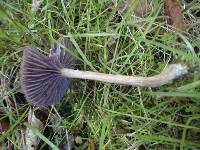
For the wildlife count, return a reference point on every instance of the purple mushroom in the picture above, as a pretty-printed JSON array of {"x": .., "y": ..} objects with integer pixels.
[{"x": 45, "y": 79}]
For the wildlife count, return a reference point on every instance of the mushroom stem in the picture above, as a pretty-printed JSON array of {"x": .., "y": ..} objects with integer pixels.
[{"x": 169, "y": 73}]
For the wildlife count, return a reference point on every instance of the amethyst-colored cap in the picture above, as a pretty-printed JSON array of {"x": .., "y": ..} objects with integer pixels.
[{"x": 41, "y": 78}]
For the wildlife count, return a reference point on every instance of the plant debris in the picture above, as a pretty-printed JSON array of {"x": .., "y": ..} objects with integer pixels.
[
  {"x": 35, "y": 5},
  {"x": 31, "y": 139},
  {"x": 4, "y": 125},
  {"x": 173, "y": 11}
]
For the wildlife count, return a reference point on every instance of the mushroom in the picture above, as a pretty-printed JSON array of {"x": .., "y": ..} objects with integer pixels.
[{"x": 45, "y": 79}]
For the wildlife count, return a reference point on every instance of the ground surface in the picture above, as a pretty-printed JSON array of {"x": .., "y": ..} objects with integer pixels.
[{"x": 110, "y": 37}]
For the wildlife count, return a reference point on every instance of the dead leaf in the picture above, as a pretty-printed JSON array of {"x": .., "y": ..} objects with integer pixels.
[
  {"x": 35, "y": 5},
  {"x": 4, "y": 125},
  {"x": 172, "y": 9},
  {"x": 92, "y": 144},
  {"x": 142, "y": 7},
  {"x": 31, "y": 139}
]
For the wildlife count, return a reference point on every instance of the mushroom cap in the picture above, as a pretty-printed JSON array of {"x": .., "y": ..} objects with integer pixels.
[{"x": 41, "y": 77}]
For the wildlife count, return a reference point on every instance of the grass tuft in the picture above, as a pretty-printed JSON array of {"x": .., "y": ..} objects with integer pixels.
[{"x": 111, "y": 40}]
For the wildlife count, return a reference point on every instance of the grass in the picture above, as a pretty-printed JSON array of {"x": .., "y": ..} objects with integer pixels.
[{"x": 109, "y": 40}]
